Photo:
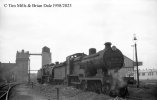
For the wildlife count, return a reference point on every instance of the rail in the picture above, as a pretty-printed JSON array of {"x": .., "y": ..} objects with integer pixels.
[
  {"x": 5, "y": 90},
  {"x": 134, "y": 98}
]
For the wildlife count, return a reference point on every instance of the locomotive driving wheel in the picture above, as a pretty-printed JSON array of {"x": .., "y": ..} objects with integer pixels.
[
  {"x": 123, "y": 92},
  {"x": 98, "y": 87},
  {"x": 106, "y": 89},
  {"x": 84, "y": 85}
]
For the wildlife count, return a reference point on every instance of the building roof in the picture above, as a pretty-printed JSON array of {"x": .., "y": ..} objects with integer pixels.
[
  {"x": 148, "y": 70},
  {"x": 128, "y": 58}
]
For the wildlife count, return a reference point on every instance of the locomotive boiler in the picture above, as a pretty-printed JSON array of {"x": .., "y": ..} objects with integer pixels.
[{"x": 109, "y": 58}]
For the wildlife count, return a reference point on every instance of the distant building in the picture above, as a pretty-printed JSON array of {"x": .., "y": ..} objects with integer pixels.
[
  {"x": 16, "y": 71},
  {"x": 148, "y": 74},
  {"x": 19, "y": 71},
  {"x": 7, "y": 71},
  {"x": 23, "y": 62},
  {"x": 128, "y": 69}
]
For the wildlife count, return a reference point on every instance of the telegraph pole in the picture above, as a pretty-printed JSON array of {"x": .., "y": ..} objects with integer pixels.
[
  {"x": 133, "y": 58},
  {"x": 136, "y": 61},
  {"x": 29, "y": 71}
]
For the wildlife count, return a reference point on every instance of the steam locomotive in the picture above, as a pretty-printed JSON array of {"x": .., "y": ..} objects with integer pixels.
[{"x": 96, "y": 72}]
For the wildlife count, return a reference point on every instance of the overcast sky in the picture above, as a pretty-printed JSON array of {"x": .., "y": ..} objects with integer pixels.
[{"x": 87, "y": 24}]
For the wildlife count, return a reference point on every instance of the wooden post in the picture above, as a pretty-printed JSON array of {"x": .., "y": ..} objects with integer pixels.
[{"x": 57, "y": 93}]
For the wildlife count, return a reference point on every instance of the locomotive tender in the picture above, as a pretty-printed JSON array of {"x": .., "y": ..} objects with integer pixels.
[{"x": 97, "y": 71}]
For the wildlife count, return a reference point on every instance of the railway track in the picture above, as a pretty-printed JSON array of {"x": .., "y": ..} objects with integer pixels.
[
  {"x": 5, "y": 89},
  {"x": 133, "y": 98}
]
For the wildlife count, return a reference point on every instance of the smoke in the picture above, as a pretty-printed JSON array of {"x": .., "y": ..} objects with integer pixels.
[{"x": 117, "y": 82}]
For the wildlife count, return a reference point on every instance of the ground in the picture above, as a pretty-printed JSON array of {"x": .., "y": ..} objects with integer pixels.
[
  {"x": 147, "y": 90},
  {"x": 62, "y": 92}
]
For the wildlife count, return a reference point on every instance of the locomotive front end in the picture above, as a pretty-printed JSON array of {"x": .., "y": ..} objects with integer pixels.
[
  {"x": 114, "y": 61},
  {"x": 112, "y": 57}
]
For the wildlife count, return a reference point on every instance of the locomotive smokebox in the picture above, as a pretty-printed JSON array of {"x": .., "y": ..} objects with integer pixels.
[
  {"x": 92, "y": 51},
  {"x": 108, "y": 45}
]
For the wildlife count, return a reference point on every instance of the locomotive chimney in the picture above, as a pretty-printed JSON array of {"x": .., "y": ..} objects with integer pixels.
[
  {"x": 107, "y": 45},
  {"x": 92, "y": 51}
]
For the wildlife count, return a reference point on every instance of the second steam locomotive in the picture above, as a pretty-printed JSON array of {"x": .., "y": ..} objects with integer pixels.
[{"x": 97, "y": 71}]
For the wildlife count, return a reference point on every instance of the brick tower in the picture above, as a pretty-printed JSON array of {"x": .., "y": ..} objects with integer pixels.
[{"x": 23, "y": 62}]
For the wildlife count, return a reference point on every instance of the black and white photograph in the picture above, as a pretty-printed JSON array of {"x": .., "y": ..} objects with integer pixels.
[{"x": 78, "y": 49}]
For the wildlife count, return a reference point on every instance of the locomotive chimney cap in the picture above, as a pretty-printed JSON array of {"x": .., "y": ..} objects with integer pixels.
[{"x": 108, "y": 44}]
